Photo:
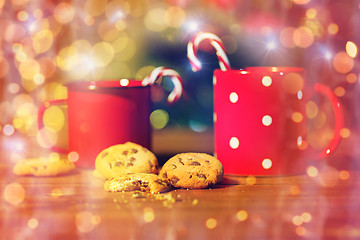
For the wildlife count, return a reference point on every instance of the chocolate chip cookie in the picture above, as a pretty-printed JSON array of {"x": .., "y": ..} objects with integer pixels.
[
  {"x": 43, "y": 167},
  {"x": 144, "y": 182},
  {"x": 125, "y": 158},
  {"x": 192, "y": 170}
]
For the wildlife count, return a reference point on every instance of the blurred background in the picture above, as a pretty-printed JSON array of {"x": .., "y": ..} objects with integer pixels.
[{"x": 46, "y": 44}]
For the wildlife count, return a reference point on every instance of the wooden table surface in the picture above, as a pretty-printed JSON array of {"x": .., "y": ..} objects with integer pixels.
[{"x": 75, "y": 206}]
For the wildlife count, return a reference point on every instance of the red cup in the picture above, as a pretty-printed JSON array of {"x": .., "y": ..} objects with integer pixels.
[
  {"x": 260, "y": 120},
  {"x": 102, "y": 114}
]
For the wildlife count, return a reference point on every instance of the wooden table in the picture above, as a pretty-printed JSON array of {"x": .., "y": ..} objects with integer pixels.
[{"x": 76, "y": 206}]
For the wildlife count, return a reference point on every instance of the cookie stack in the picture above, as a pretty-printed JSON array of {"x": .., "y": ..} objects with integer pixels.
[{"x": 130, "y": 167}]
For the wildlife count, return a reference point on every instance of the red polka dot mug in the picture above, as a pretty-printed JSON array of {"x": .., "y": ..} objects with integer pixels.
[{"x": 260, "y": 120}]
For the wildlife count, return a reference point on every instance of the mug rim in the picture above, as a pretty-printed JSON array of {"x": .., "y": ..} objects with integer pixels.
[
  {"x": 259, "y": 69},
  {"x": 115, "y": 83}
]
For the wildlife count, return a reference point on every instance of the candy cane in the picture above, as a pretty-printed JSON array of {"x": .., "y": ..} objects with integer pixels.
[
  {"x": 162, "y": 72},
  {"x": 215, "y": 42}
]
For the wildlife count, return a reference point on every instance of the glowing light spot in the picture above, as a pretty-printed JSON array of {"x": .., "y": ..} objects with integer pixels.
[
  {"x": 33, "y": 223},
  {"x": 154, "y": 20},
  {"x": 344, "y": 175},
  {"x": 42, "y": 41},
  {"x": 328, "y": 55},
  {"x": 312, "y": 171},
  {"x": 54, "y": 118},
  {"x": 303, "y": 37},
  {"x": 73, "y": 156},
  {"x": 29, "y": 68},
  {"x": 14, "y": 88},
  {"x": 192, "y": 26},
  {"x": 174, "y": 17},
  {"x": 241, "y": 215},
  {"x": 300, "y": 231},
  {"x": 159, "y": 118},
  {"x": 234, "y": 143},
  {"x": 351, "y": 78},
  {"x": 333, "y": 28},
  {"x": 266, "y": 163},
  {"x": 102, "y": 53},
  {"x": 250, "y": 180},
  {"x": 345, "y": 132},
  {"x": 84, "y": 222},
  {"x": 96, "y": 220},
  {"x": 306, "y": 217},
  {"x": 214, "y": 117},
  {"x": 149, "y": 215},
  {"x": 266, "y": 81},
  {"x": 327, "y": 151},
  {"x": 39, "y": 79},
  {"x": 211, "y": 223},
  {"x": 197, "y": 126},
  {"x": 8, "y": 130},
  {"x": 124, "y": 82},
  {"x": 343, "y": 63},
  {"x": 271, "y": 45},
  {"x": 311, "y": 13},
  {"x": 339, "y": 91},
  {"x": 14, "y": 193},
  {"x": 64, "y": 13},
  {"x": 266, "y": 120},
  {"x": 293, "y": 83},
  {"x": 351, "y": 49},
  {"x": 22, "y": 16},
  {"x": 297, "y": 117},
  {"x": 244, "y": 72},
  {"x": 233, "y": 97},
  {"x": 297, "y": 220}
]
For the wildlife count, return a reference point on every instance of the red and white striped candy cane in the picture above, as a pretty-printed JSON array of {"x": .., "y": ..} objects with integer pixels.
[
  {"x": 162, "y": 72},
  {"x": 215, "y": 42}
]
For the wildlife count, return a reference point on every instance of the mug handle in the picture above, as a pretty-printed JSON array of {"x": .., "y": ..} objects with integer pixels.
[
  {"x": 41, "y": 125},
  {"x": 339, "y": 118}
]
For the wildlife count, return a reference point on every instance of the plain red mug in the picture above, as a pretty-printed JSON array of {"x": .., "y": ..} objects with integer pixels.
[
  {"x": 260, "y": 120},
  {"x": 102, "y": 114}
]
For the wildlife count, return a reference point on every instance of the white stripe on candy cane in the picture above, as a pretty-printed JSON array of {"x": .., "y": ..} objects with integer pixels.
[
  {"x": 215, "y": 42},
  {"x": 166, "y": 72}
]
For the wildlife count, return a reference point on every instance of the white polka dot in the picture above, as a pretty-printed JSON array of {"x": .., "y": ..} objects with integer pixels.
[
  {"x": 266, "y": 120},
  {"x": 300, "y": 95},
  {"x": 266, "y": 163},
  {"x": 234, "y": 143},
  {"x": 233, "y": 97},
  {"x": 299, "y": 140},
  {"x": 124, "y": 82},
  {"x": 266, "y": 81}
]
